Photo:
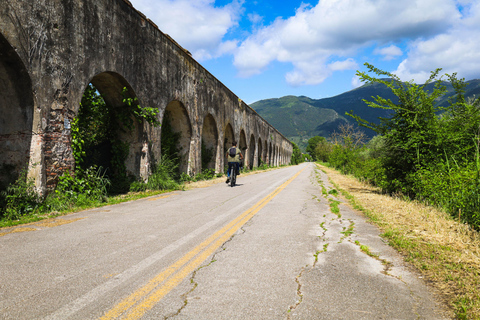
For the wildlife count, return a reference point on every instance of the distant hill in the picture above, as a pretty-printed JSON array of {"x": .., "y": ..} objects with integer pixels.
[{"x": 300, "y": 118}]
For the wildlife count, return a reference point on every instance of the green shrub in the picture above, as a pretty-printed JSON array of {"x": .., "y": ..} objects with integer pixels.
[
  {"x": 20, "y": 198},
  {"x": 163, "y": 176},
  {"x": 456, "y": 189},
  {"x": 86, "y": 188},
  {"x": 206, "y": 174}
]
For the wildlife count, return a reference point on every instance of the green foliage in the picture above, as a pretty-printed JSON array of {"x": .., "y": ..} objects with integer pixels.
[
  {"x": 297, "y": 157},
  {"x": 162, "y": 177},
  {"x": 95, "y": 135},
  {"x": 206, "y": 174},
  {"x": 132, "y": 110},
  {"x": 20, "y": 198},
  {"x": 411, "y": 133},
  {"x": 92, "y": 130},
  {"x": 312, "y": 144},
  {"x": 207, "y": 156},
  {"x": 322, "y": 150},
  {"x": 456, "y": 188},
  {"x": 85, "y": 188},
  {"x": 426, "y": 150},
  {"x": 77, "y": 143},
  {"x": 170, "y": 139}
]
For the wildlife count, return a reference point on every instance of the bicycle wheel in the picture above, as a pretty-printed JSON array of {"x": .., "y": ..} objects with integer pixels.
[{"x": 233, "y": 176}]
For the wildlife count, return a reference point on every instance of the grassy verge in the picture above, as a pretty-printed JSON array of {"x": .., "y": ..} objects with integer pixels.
[
  {"x": 109, "y": 201},
  {"x": 444, "y": 251}
]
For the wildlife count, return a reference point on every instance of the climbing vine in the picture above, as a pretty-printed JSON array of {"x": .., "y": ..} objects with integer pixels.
[{"x": 95, "y": 135}]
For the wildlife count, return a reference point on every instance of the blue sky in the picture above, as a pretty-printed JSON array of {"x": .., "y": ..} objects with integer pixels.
[{"x": 273, "y": 48}]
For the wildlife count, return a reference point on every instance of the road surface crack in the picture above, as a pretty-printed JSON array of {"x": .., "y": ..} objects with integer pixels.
[
  {"x": 299, "y": 293},
  {"x": 194, "y": 284}
]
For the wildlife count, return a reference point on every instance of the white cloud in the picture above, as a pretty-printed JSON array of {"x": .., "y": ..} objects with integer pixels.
[
  {"x": 197, "y": 25},
  {"x": 255, "y": 18},
  {"x": 391, "y": 52},
  {"x": 457, "y": 50},
  {"x": 336, "y": 30},
  {"x": 326, "y": 38},
  {"x": 356, "y": 82},
  {"x": 311, "y": 72},
  {"x": 348, "y": 64}
]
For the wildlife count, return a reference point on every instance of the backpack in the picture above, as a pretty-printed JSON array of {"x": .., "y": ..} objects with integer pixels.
[{"x": 232, "y": 152}]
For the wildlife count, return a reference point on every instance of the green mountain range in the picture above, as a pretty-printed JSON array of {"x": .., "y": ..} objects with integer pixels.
[{"x": 300, "y": 118}]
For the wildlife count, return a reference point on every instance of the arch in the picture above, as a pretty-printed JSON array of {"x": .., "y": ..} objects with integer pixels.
[
  {"x": 265, "y": 153},
  {"x": 270, "y": 154},
  {"x": 251, "y": 152},
  {"x": 229, "y": 138},
  {"x": 16, "y": 114},
  {"x": 114, "y": 138},
  {"x": 277, "y": 155},
  {"x": 209, "y": 143},
  {"x": 242, "y": 144},
  {"x": 260, "y": 159},
  {"x": 176, "y": 135}
]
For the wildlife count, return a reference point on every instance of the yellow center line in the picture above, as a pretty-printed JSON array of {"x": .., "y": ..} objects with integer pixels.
[{"x": 152, "y": 296}]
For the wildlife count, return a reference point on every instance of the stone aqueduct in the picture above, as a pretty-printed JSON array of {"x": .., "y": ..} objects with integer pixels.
[{"x": 50, "y": 50}]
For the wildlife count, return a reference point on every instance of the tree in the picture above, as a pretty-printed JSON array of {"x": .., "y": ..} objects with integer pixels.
[
  {"x": 312, "y": 144},
  {"x": 410, "y": 133},
  {"x": 419, "y": 131},
  {"x": 296, "y": 155},
  {"x": 322, "y": 150}
]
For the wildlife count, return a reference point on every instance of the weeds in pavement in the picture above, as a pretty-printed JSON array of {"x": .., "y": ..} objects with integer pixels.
[
  {"x": 334, "y": 207},
  {"x": 445, "y": 251}
]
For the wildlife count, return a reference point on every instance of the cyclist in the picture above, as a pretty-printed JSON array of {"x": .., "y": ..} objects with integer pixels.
[{"x": 234, "y": 161}]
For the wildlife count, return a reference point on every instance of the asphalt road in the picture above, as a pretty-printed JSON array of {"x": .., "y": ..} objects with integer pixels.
[{"x": 269, "y": 248}]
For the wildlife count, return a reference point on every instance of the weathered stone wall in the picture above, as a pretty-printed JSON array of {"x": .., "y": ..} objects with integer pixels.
[{"x": 50, "y": 50}]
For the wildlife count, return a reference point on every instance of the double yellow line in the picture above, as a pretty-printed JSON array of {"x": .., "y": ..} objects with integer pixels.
[{"x": 142, "y": 300}]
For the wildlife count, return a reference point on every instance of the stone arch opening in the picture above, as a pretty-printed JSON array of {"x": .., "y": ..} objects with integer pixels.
[
  {"x": 251, "y": 152},
  {"x": 277, "y": 155},
  {"x": 265, "y": 153},
  {"x": 113, "y": 138},
  {"x": 209, "y": 143},
  {"x": 16, "y": 114},
  {"x": 242, "y": 144},
  {"x": 260, "y": 152},
  {"x": 270, "y": 154},
  {"x": 274, "y": 156},
  {"x": 229, "y": 138},
  {"x": 176, "y": 135}
]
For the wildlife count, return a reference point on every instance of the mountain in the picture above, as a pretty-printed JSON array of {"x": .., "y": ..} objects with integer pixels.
[{"x": 300, "y": 118}]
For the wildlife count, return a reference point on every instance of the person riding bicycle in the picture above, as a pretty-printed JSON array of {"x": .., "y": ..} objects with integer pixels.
[{"x": 234, "y": 157}]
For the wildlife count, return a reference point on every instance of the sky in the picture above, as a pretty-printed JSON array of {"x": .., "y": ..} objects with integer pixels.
[{"x": 262, "y": 49}]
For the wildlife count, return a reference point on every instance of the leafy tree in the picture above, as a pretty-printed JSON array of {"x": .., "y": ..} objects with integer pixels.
[
  {"x": 411, "y": 131},
  {"x": 312, "y": 144},
  {"x": 296, "y": 155},
  {"x": 322, "y": 150},
  {"x": 419, "y": 131}
]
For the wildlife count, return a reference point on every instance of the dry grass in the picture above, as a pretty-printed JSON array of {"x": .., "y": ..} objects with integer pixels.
[
  {"x": 16, "y": 230},
  {"x": 445, "y": 251},
  {"x": 35, "y": 226}
]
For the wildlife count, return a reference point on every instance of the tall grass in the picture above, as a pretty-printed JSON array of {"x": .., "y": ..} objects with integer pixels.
[
  {"x": 452, "y": 186},
  {"x": 19, "y": 199}
]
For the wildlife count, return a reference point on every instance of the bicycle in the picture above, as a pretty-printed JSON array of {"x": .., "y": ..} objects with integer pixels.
[{"x": 233, "y": 176}]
